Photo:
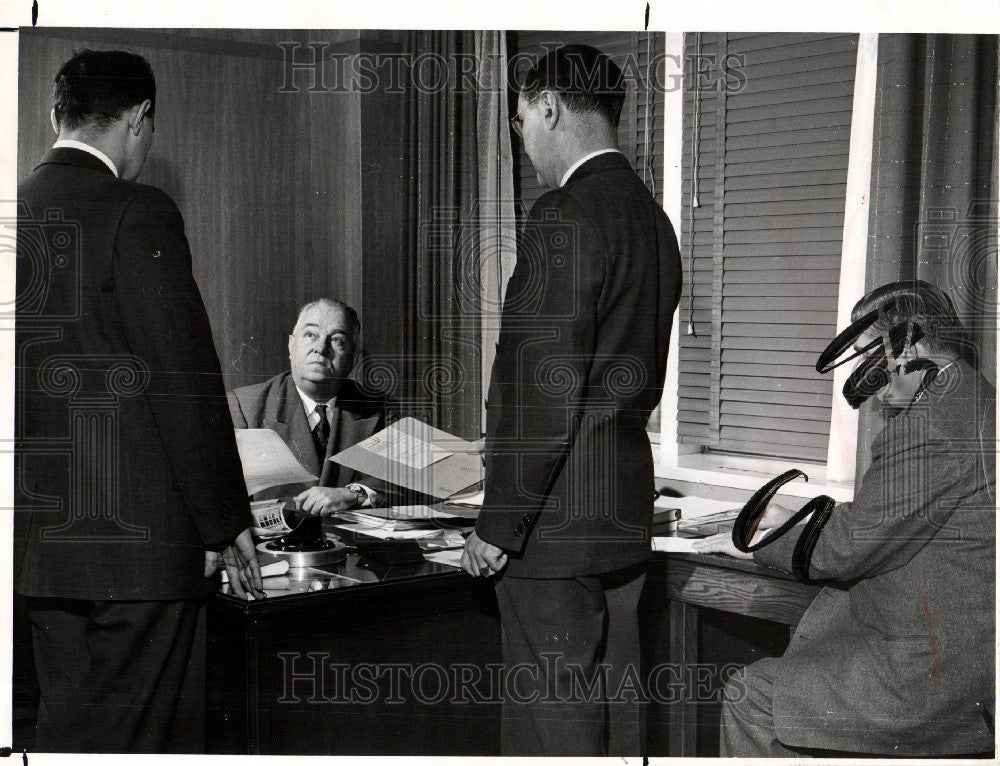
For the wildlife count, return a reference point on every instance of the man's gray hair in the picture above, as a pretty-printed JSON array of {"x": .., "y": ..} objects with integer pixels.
[{"x": 334, "y": 303}]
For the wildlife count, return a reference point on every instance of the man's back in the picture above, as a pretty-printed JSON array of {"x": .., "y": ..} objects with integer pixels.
[
  {"x": 582, "y": 359},
  {"x": 117, "y": 372}
]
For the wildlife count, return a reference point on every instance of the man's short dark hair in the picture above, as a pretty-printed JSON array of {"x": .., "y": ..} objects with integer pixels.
[
  {"x": 586, "y": 80},
  {"x": 96, "y": 87},
  {"x": 926, "y": 305}
]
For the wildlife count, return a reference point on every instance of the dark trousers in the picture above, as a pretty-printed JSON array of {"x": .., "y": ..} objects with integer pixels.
[
  {"x": 568, "y": 645},
  {"x": 115, "y": 676}
]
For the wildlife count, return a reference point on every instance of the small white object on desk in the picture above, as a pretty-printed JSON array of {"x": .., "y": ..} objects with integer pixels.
[
  {"x": 693, "y": 507},
  {"x": 674, "y": 545},
  {"x": 274, "y": 569}
]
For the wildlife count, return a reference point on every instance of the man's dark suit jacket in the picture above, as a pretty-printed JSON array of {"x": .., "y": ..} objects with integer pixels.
[
  {"x": 896, "y": 656},
  {"x": 579, "y": 368},
  {"x": 127, "y": 465},
  {"x": 276, "y": 404}
]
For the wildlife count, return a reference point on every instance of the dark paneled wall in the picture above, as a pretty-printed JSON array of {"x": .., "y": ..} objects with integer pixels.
[{"x": 268, "y": 182}]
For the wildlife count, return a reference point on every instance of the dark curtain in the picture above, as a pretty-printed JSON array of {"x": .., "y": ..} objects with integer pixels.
[
  {"x": 934, "y": 182},
  {"x": 421, "y": 313}
]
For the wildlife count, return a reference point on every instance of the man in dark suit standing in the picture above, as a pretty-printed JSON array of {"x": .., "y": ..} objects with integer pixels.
[
  {"x": 579, "y": 368},
  {"x": 129, "y": 484},
  {"x": 318, "y": 411}
]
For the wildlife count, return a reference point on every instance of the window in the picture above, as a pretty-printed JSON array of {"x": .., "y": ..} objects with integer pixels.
[
  {"x": 765, "y": 163},
  {"x": 776, "y": 147}
]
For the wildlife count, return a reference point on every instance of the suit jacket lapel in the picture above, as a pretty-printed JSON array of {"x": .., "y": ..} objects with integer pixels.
[{"x": 285, "y": 415}]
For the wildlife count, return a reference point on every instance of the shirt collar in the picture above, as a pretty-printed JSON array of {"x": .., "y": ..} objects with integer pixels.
[
  {"x": 310, "y": 404},
  {"x": 582, "y": 160},
  {"x": 69, "y": 143}
]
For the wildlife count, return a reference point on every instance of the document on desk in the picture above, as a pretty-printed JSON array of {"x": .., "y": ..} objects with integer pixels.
[
  {"x": 402, "y": 512},
  {"x": 409, "y": 453},
  {"x": 674, "y": 545},
  {"x": 389, "y": 533},
  {"x": 267, "y": 461},
  {"x": 452, "y": 558}
]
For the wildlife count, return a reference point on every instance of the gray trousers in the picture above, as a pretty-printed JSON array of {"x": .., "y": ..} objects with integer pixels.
[{"x": 747, "y": 719}]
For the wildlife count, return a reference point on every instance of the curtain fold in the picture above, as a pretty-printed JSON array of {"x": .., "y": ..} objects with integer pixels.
[
  {"x": 934, "y": 182},
  {"x": 439, "y": 366},
  {"x": 497, "y": 226}
]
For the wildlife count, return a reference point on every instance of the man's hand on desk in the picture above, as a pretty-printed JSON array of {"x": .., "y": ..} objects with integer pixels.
[
  {"x": 240, "y": 562},
  {"x": 775, "y": 515},
  {"x": 481, "y": 558},
  {"x": 720, "y": 543},
  {"x": 326, "y": 501}
]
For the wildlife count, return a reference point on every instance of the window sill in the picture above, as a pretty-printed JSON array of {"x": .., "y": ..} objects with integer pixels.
[{"x": 752, "y": 473}]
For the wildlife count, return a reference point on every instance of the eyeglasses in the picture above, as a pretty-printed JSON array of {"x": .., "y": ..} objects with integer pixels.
[
  {"x": 517, "y": 121},
  {"x": 517, "y": 124}
]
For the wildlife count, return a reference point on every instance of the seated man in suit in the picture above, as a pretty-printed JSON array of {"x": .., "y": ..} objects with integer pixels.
[
  {"x": 895, "y": 656},
  {"x": 318, "y": 411}
]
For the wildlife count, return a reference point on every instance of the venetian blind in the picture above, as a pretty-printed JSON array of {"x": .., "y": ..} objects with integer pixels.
[{"x": 765, "y": 155}]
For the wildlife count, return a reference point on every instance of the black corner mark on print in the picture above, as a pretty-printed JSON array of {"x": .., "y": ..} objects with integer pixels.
[
  {"x": 34, "y": 21},
  {"x": 6, "y": 752},
  {"x": 645, "y": 28}
]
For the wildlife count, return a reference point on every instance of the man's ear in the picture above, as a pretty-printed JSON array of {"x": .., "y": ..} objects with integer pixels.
[
  {"x": 137, "y": 116},
  {"x": 54, "y": 121},
  {"x": 551, "y": 108},
  {"x": 291, "y": 339}
]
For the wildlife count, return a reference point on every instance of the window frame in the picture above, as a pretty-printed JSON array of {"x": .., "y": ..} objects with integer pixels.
[{"x": 673, "y": 461}]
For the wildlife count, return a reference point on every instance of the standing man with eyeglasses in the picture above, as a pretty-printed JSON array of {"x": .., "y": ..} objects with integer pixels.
[{"x": 579, "y": 368}]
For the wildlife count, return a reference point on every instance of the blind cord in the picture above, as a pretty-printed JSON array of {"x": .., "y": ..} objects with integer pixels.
[{"x": 695, "y": 130}]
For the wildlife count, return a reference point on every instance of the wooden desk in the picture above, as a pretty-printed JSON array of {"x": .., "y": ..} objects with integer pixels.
[
  {"x": 268, "y": 692},
  {"x": 696, "y": 581}
]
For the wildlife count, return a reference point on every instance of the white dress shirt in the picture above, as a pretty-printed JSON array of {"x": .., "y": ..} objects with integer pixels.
[
  {"x": 69, "y": 143},
  {"x": 309, "y": 405}
]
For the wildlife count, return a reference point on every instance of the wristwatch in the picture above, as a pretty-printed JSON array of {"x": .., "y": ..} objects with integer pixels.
[{"x": 358, "y": 490}]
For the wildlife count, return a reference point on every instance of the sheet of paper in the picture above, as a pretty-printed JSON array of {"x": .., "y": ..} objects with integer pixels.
[
  {"x": 443, "y": 466},
  {"x": 450, "y": 558},
  {"x": 267, "y": 461},
  {"x": 404, "y": 448},
  {"x": 474, "y": 500},
  {"x": 673, "y": 545}
]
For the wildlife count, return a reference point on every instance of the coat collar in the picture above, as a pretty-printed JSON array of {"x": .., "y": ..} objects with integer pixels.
[
  {"x": 65, "y": 155},
  {"x": 599, "y": 164}
]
